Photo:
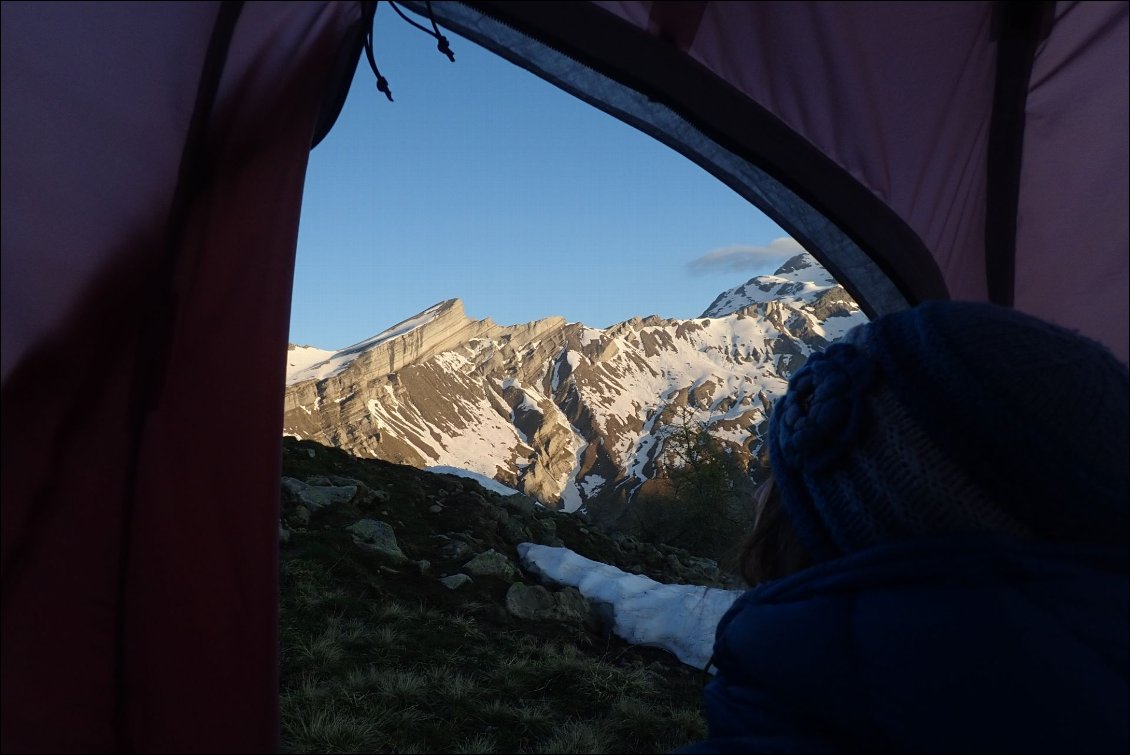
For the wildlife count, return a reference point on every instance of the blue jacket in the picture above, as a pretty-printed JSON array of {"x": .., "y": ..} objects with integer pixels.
[{"x": 935, "y": 645}]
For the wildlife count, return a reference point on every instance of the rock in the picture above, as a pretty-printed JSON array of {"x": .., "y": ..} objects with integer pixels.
[
  {"x": 570, "y": 605},
  {"x": 468, "y": 537},
  {"x": 365, "y": 495},
  {"x": 514, "y": 532},
  {"x": 630, "y": 543},
  {"x": 706, "y": 566},
  {"x": 536, "y": 603},
  {"x": 423, "y": 566},
  {"x": 284, "y": 534},
  {"x": 455, "y": 581},
  {"x": 532, "y": 602},
  {"x": 497, "y": 514},
  {"x": 435, "y": 509},
  {"x": 470, "y": 498},
  {"x": 378, "y": 536},
  {"x": 454, "y": 550},
  {"x": 298, "y": 517},
  {"x": 491, "y": 564},
  {"x": 520, "y": 504},
  {"x": 545, "y": 532},
  {"x": 315, "y": 497},
  {"x": 292, "y": 487},
  {"x": 310, "y": 452}
]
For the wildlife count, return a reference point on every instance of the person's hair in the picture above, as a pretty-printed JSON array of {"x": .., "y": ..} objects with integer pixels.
[{"x": 771, "y": 550}]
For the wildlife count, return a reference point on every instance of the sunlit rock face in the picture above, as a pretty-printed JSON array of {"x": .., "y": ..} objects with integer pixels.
[{"x": 568, "y": 414}]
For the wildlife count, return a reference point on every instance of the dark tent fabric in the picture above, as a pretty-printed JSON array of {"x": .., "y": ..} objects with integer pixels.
[
  {"x": 152, "y": 169},
  {"x": 153, "y": 165}
]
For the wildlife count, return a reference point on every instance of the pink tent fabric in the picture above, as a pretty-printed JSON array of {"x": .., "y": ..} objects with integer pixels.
[
  {"x": 153, "y": 161},
  {"x": 920, "y": 150},
  {"x": 148, "y": 260},
  {"x": 1073, "y": 222}
]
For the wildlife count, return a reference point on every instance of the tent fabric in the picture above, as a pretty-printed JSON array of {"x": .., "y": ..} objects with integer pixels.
[
  {"x": 139, "y": 565},
  {"x": 1073, "y": 222},
  {"x": 900, "y": 98},
  {"x": 152, "y": 168}
]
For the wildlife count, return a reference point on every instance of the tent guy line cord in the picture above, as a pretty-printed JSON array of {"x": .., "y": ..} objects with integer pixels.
[
  {"x": 370, "y": 16},
  {"x": 382, "y": 82},
  {"x": 441, "y": 41}
]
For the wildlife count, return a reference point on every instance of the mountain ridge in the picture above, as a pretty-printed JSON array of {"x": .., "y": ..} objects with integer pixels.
[{"x": 566, "y": 413}]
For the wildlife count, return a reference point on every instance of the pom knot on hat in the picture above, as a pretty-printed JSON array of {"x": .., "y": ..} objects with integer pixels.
[
  {"x": 820, "y": 423},
  {"x": 953, "y": 418}
]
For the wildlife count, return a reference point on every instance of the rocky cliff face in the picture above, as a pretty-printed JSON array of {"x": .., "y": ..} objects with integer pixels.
[{"x": 566, "y": 413}]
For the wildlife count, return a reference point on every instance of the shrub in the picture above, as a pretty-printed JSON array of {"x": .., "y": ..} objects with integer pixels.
[{"x": 702, "y": 497}]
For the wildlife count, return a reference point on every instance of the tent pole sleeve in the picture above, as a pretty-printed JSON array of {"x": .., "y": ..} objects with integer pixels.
[{"x": 1019, "y": 28}]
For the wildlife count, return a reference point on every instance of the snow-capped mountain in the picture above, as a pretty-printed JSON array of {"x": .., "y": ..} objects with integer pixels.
[
  {"x": 801, "y": 280},
  {"x": 567, "y": 413}
]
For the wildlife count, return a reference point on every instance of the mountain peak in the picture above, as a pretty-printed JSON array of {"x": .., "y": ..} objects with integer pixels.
[
  {"x": 796, "y": 263},
  {"x": 448, "y": 312},
  {"x": 801, "y": 278},
  {"x": 446, "y": 308}
]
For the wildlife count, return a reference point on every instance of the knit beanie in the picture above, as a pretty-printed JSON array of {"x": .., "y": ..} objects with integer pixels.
[{"x": 954, "y": 417}]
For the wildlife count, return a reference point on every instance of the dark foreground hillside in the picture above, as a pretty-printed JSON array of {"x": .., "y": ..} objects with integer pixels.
[{"x": 408, "y": 624}]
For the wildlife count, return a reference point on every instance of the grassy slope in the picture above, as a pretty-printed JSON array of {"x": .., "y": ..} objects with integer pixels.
[{"x": 379, "y": 657}]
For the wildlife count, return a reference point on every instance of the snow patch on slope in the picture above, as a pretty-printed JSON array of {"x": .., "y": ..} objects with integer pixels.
[
  {"x": 301, "y": 358},
  {"x": 487, "y": 482},
  {"x": 681, "y": 619}
]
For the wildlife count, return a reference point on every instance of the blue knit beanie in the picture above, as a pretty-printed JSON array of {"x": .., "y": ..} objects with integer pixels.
[{"x": 954, "y": 417}]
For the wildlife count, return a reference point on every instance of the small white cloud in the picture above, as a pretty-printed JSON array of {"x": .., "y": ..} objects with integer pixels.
[{"x": 746, "y": 258}]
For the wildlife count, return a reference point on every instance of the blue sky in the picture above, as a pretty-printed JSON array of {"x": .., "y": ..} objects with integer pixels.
[{"x": 483, "y": 182}]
